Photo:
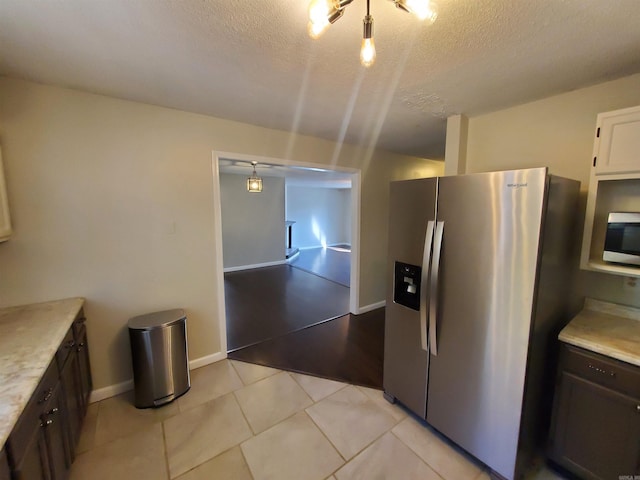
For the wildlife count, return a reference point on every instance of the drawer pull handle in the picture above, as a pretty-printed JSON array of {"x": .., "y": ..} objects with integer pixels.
[
  {"x": 638, "y": 408},
  {"x": 70, "y": 344},
  {"x": 47, "y": 395},
  {"x": 53, "y": 411},
  {"x": 601, "y": 371},
  {"x": 46, "y": 423}
]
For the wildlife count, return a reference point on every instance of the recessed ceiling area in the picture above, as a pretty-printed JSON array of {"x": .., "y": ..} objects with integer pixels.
[
  {"x": 293, "y": 175},
  {"x": 254, "y": 62}
]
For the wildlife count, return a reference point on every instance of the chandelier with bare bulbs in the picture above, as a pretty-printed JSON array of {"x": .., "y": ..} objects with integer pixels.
[{"x": 323, "y": 13}]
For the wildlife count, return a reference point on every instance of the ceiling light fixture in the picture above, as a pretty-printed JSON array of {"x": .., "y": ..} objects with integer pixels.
[
  {"x": 322, "y": 13},
  {"x": 254, "y": 182}
]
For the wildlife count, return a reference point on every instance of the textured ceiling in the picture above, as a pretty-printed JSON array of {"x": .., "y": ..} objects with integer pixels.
[{"x": 252, "y": 61}]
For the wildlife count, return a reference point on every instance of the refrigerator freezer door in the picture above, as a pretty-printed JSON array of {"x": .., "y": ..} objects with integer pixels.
[
  {"x": 412, "y": 207},
  {"x": 492, "y": 227}
]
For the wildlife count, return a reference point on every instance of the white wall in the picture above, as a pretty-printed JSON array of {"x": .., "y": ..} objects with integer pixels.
[
  {"x": 345, "y": 193},
  {"x": 253, "y": 229},
  {"x": 321, "y": 215},
  {"x": 112, "y": 200},
  {"x": 557, "y": 132}
]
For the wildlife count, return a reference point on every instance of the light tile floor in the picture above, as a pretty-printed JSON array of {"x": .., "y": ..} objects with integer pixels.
[{"x": 243, "y": 421}]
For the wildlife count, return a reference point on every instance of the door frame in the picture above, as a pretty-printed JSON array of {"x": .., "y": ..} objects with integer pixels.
[{"x": 354, "y": 288}]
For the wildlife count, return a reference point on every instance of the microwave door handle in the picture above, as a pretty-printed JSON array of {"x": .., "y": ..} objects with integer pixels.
[
  {"x": 433, "y": 297},
  {"x": 424, "y": 282}
]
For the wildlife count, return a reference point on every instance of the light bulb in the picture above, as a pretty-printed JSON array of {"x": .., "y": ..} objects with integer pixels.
[
  {"x": 367, "y": 52},
  {"x": 423, "y": 9},
  {"x": 323, "y": 13},
  {"x": 317, "y": 29},
  {"x": 319, "y": 11},
  {"x": 368, "y": 49}
]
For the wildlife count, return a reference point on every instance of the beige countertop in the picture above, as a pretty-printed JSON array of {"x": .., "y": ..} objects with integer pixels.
[
  {"x": 29, "y": 338},
  {"x": 606, "y": 328}
]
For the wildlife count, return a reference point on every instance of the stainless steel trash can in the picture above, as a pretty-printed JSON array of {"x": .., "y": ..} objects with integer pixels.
[{"x": 159, "y": 355}]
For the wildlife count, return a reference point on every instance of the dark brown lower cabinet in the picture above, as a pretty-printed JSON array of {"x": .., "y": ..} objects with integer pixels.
[
  {"x": 70, "y": 380},
  {"x": 5, "y": 474},
  {"x": 84, "y": 366},
  {"x": 33, "y": 463},
  {"x": 595, "y": 431},
  {"x": 52, "y": 422},
  {"x": 29, "y": 443},
  {"x": 42, "y": 443}
]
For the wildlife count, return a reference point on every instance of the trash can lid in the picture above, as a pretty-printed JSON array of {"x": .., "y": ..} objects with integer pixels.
[{"x": 153, "y": 320}]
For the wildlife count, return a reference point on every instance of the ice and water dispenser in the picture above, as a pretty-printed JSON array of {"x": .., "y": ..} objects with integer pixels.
[{"x": 406, "y": 288}]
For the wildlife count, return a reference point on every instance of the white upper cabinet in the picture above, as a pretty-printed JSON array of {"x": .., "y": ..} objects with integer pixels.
[
  {"x": 617, "y": 145},
  {"x": 614, "y": 185},
  {"x": 5, "y": 220}
]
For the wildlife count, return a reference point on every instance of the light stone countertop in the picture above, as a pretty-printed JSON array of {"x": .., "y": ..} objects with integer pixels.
[
  {"x": 29, "y": 338},
  {"x": 606, "y": 328}
]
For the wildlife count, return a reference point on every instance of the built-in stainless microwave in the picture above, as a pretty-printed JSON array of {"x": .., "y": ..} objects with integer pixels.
[{"x": 622, "y": 241}]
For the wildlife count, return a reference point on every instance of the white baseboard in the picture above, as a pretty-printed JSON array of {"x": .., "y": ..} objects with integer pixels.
[
  {"x": 118, "y": 388},
  {"x": 207, "y": 360},
  {"x": 110, "y": 391},
  {"x": 313, "y": 247},
  {"x": 256, "y": 265},
  {"x": 373, "y": 306}
]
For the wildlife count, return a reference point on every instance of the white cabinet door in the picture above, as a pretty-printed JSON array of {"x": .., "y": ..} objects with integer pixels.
[
  {"x": 5, "y": 220},
  {"x": 617, "y": 145}
]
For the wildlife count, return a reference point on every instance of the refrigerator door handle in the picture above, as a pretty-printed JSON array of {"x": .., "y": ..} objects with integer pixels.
[
  {"x": 433, "y": 297},
  {"x": 424, "y": 282}
]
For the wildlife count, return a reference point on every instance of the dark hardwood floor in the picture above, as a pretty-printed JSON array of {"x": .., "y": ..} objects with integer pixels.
[
  {"x": 332, "y": 263},
  {"x": 268, "y": 302},
  {"x": 348, "y": 349},
  {"x": 290, "y": 319}
]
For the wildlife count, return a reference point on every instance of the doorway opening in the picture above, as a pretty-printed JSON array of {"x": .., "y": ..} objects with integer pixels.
[{"x": 259, "y": 286}]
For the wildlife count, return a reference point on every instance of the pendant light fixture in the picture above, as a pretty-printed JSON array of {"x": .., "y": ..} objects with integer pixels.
[
  {"x": 322, "y": 13},
  {"x": 368, "y": 49},
  {"x": 254, "y": 182}
]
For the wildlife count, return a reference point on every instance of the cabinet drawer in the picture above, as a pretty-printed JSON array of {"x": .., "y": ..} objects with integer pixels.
[
  {"x": 597, "y": 368},
  {"x": 65, "y": 348},
  {"x": 29, "y": 420}
]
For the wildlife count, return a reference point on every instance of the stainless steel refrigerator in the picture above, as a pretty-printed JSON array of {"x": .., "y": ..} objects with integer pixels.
[{"x": 479, "y": 267}]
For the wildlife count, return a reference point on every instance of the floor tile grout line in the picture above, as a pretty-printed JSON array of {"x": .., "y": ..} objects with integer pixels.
[
  {"x": 345, "y": 385},
  {"x": 223, "y": 451},
  {"x": 328, "y": 440},
  {"x": 233, "y": 360},
  {"x": 165, "y": 450},
  {"x": 416, "y": 454},
  {"x": 280, "y": 421},
  {"x": 244, "y": 416},
  {"x": 244, "y": 458},
  {"x": 214, "y": 457},
  {"x": 180, "y": 407},
  {"x": 237, "y": 372},
  {"x": 396, "y": 422}
]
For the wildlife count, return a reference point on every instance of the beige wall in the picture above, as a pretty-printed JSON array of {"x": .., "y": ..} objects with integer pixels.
[
  {"x": 557, "y": 132},
  {"x": 252, "y": 223},
  {"x": 113, "y": 201}
]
